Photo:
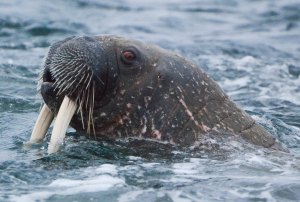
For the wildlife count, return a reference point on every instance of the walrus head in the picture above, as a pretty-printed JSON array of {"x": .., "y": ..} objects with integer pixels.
[{"x": 121, "y": 88}]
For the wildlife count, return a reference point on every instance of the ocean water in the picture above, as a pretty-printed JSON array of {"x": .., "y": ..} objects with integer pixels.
[{"x": 251, "y": 48}]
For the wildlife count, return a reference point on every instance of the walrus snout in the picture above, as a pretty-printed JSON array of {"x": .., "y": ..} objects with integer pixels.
[{"x": 76, "y": 67}]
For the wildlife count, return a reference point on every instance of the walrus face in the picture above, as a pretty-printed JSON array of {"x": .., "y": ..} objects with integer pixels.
[{"x": 115, "y": 87}]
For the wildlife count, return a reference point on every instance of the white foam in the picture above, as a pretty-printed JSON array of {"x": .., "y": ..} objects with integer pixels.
[
  {"x": 185, "y": 168},
  {"x": 237, "y": 82},
  {"x": 259, "y": 192},
  {"x": 138, "y": 195},
  {"x": 134, "y": 158},
  {"x": 130, "y": 196},
  {"x": 150, "y": 165},
  {"x": 178, "y": 196},
  {"x": 107, "y": 168},
  {"x": 104, "y": 180}
]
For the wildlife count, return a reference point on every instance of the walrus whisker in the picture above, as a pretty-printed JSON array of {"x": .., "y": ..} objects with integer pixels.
[
  {"x": 83, "y": 91},
  {"x": 63, "y": 81},
  {"x": 81, "y": 112},
  {"x": 59, "y": 69},
  {"x": 87, "y": 100},
  {"x": 91, "y": 113},
  {"x": 59, "y": 76},
  {"x": 87, "y": 78},
  {"x": 79, "y": 72},
  {"x": 99, "y": 79},
  {"x": 93, "y": 105},
  {"x": 60, "y": 89},
  {"x": 83, "y": 99},
  {"x": 62, "y": 76},
  {"x": 63, "y": 64},
  {"x": 40, "y": 77},
  {"x": 79, "y": 83},
  {"x": 89, "y": 123},
  {"x": 59, "y": 85},
  {"x": 87, "y": 97},
  {"x": 70, "y": 83},
  {"x": 88, "y": 84}
]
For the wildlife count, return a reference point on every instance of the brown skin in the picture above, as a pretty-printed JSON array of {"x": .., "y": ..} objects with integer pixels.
[{"x": 142, "y": 90}]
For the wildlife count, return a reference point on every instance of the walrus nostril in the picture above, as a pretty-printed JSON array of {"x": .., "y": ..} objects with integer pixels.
[{"x": 47, "y": 76}]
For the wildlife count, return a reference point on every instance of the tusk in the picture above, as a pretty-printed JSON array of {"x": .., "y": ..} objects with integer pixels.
[
  {"x": 64, "y": 116},
  {"x": 41, "y": 126}
]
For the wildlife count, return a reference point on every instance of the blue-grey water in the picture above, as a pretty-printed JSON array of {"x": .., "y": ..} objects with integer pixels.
[{"x": 250, "y": 47}]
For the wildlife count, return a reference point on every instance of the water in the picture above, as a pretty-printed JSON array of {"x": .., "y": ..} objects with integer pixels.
[{"x": 251, "y": 48}]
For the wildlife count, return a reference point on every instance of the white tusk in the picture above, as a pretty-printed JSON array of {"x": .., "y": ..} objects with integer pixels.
[
  {"x": 64, "y": 116},
  {"x": 41, "y": 126}
]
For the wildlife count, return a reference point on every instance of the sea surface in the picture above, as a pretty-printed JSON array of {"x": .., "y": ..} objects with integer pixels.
[{"x": 250, "y": 47}]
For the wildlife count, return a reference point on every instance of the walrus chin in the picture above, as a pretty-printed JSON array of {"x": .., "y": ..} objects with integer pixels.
[{"x": 115, "y": 87}]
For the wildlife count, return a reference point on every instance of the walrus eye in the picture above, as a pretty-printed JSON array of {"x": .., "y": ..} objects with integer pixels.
[{"x": 128, "y": 56}]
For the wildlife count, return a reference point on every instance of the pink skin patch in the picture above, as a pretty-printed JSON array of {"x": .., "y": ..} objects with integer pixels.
[{"x": 156, "y": 134}]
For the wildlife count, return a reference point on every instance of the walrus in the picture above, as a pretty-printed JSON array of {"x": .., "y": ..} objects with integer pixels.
[{"x": 109, "y": 86}]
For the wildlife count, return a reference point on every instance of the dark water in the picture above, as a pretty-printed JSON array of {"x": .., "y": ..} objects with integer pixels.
[{"x": 250, "y": 47}]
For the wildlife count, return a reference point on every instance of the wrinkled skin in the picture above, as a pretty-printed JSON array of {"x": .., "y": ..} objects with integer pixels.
[{"x": 157, "y": 95}]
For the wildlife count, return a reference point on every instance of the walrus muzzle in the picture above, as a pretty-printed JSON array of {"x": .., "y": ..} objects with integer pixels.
[{"x": 73, "y": 78}]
